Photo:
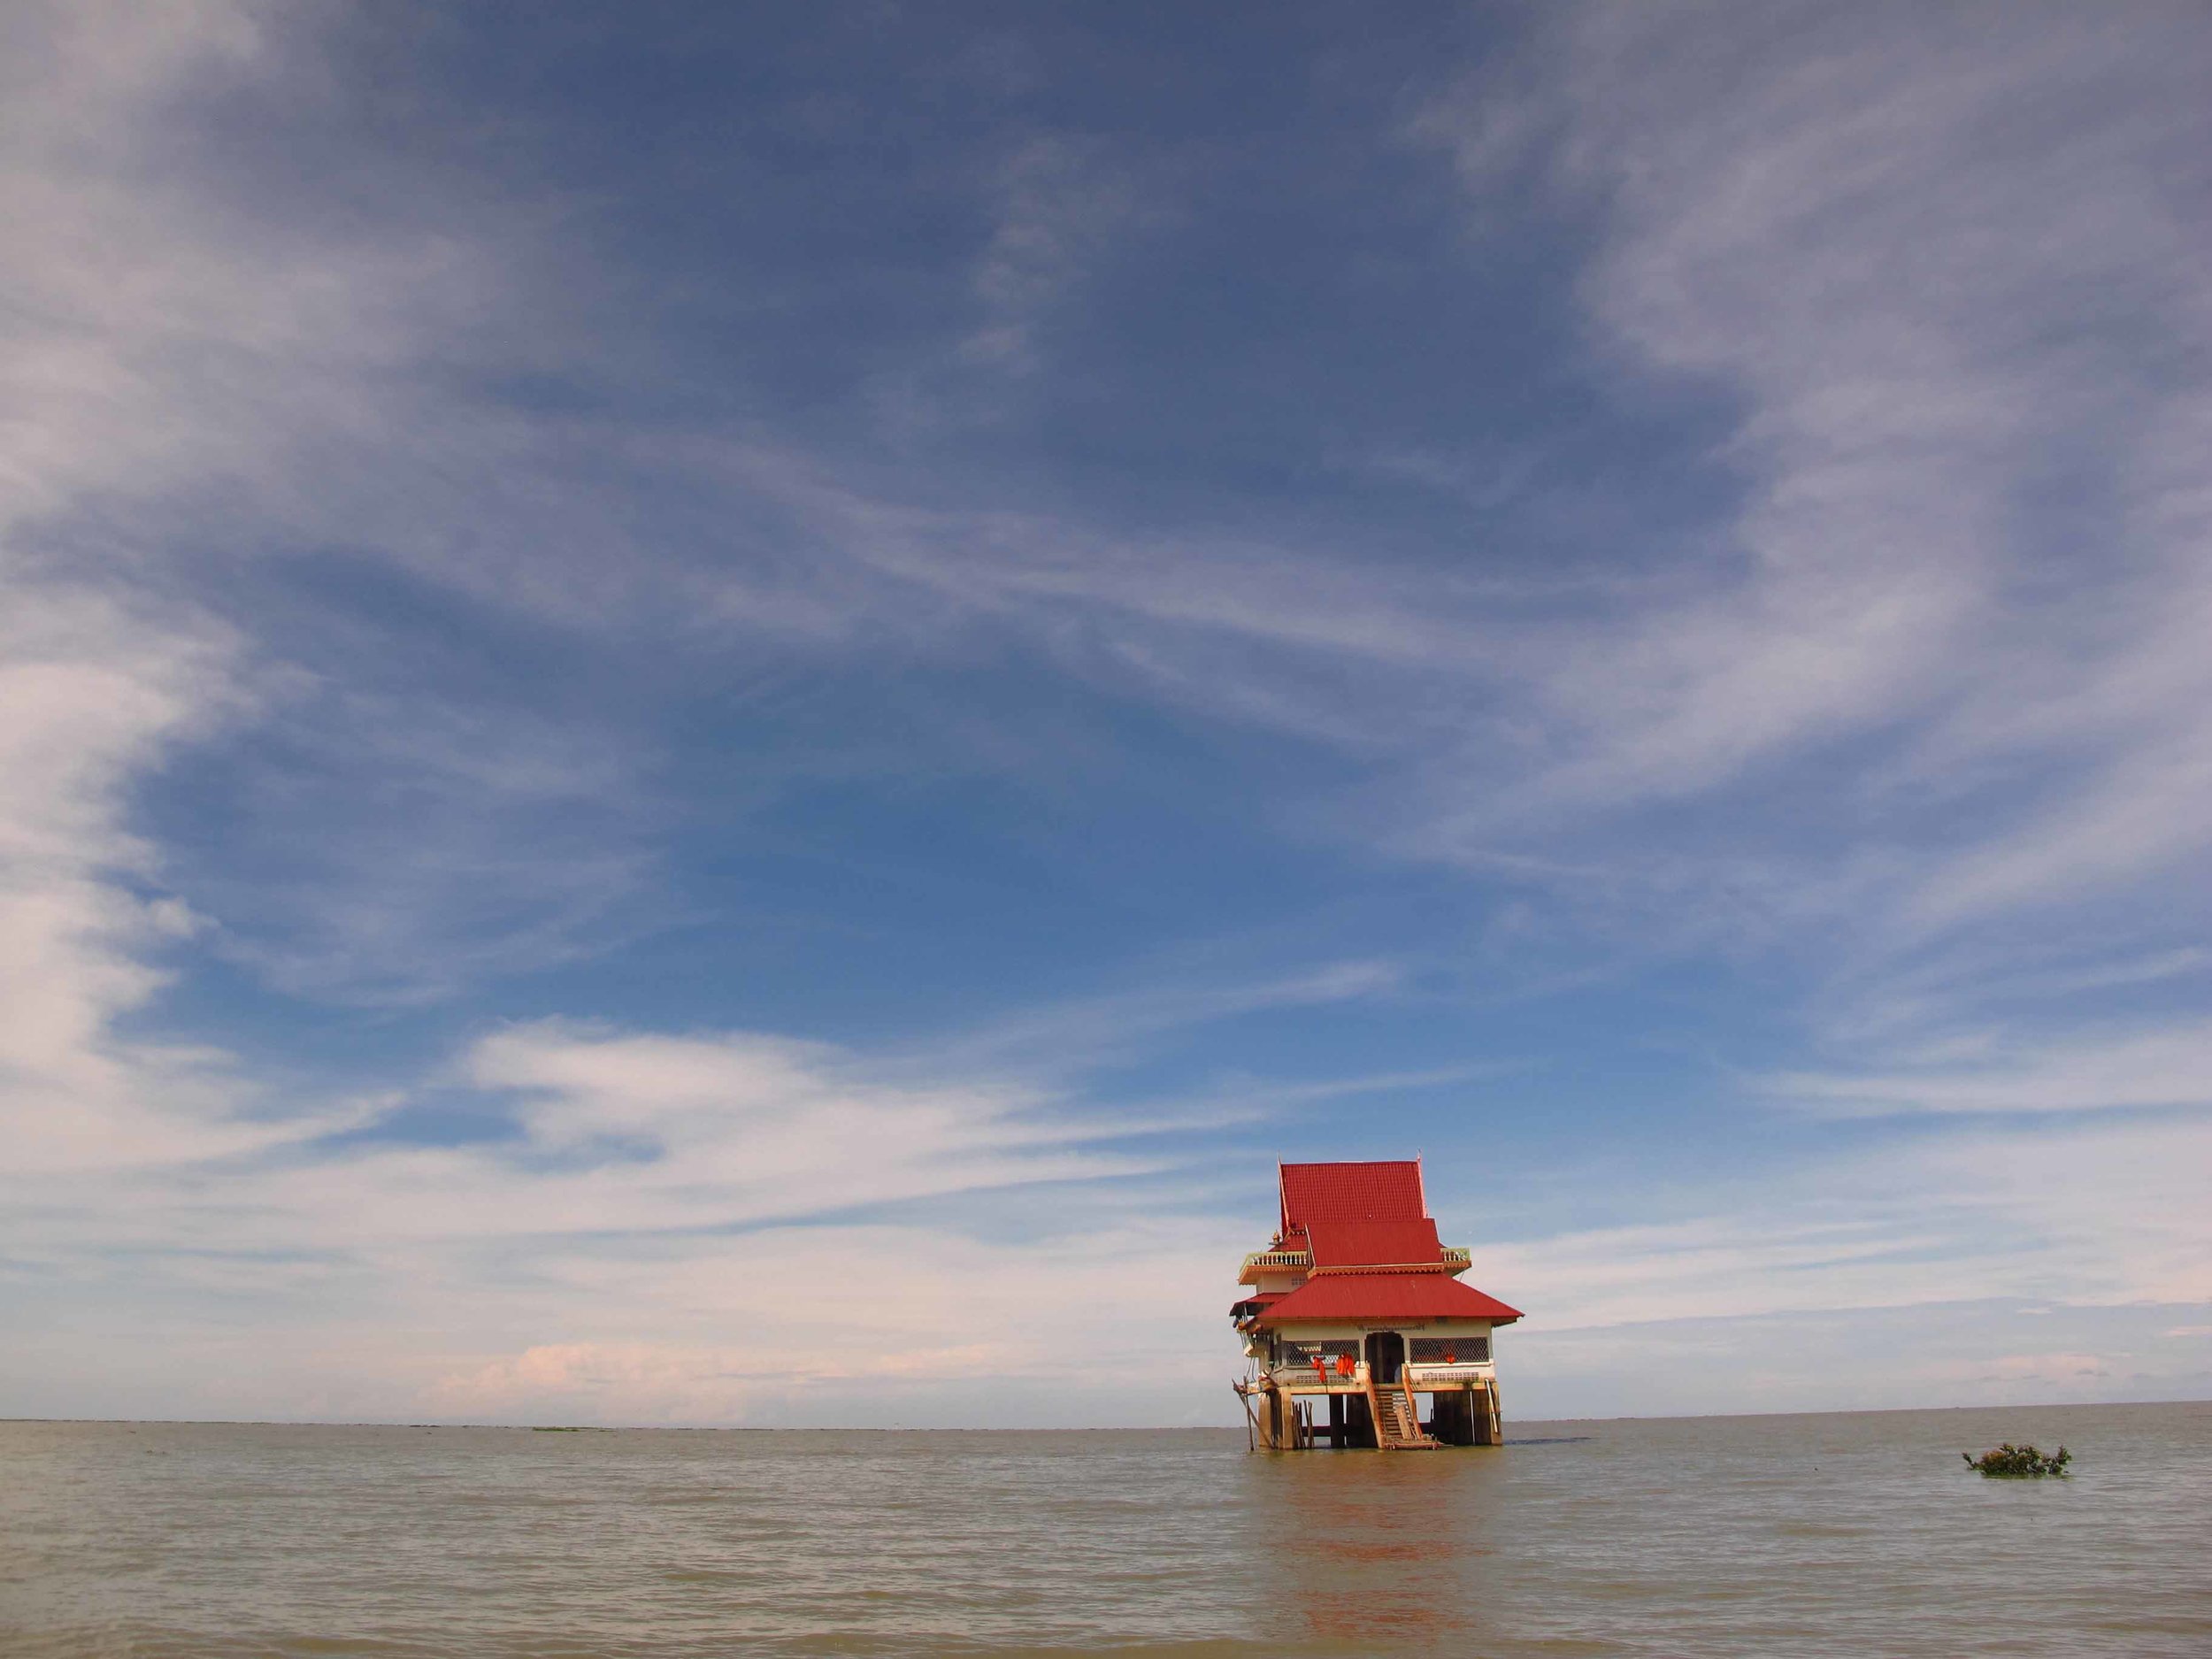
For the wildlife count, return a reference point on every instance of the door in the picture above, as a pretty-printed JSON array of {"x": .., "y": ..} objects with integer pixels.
[{"x": 1386, "y": 1355}]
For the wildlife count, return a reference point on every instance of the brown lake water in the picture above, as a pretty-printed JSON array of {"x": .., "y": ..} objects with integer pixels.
[{"x": 1842, "y": 1534}]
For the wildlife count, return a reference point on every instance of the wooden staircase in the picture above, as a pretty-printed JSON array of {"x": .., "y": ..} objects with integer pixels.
[{"x": 1397, "y": 1419}]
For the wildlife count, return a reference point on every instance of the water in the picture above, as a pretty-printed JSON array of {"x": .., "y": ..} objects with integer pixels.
[{"x": 1855, "y": 1533}]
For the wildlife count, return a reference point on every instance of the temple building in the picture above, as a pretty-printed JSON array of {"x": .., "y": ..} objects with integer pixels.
[{"x": 1355, "y": 1314}]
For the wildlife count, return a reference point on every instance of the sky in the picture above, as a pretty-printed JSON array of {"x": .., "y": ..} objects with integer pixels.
[{"x": 725, "y": 714}]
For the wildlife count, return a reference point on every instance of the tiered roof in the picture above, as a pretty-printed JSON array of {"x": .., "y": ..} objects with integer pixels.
[
  {"x": 1375, "y": 1252},
  {"x": 1350, "y": 1192},
  {"x": 1349, "y": 1244},
  {"x": 1381, "y": 1296}
]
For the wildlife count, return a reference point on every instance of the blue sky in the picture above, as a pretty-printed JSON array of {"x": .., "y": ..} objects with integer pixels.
[{"x": 713, "y": 715}]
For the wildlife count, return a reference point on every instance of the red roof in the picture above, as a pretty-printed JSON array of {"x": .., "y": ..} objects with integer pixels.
[
  {"x": 1375, "y": 1243},
  {"x": 1351, "y": 1192},
  {"x": 1375, "y": 1297}
]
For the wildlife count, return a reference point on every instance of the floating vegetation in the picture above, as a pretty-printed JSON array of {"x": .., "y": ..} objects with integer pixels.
[{"x": 2019, "y": 1463}]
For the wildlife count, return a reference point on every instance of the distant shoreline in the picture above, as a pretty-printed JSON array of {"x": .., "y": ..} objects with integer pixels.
[{"x": 1123, "y": 1428}]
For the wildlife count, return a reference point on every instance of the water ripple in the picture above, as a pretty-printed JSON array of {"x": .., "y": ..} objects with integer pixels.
[{"x": 1753, "y": 1536}]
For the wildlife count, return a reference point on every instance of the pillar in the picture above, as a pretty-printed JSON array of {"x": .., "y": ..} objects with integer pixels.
[
  {"x": 1454, "y": 1416},
  {"x": 1483, "y": 1400},
  {"x": 1362, "y": 1426}
]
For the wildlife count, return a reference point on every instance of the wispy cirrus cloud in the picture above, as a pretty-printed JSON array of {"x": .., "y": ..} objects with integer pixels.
[
  {"x": 2090, "y": 1214},
  {"x": 646, "y": 1199},
  {"x": 1903, "y": 369},
  {"x": 1905, "y": 254},
  {"x": 1952, "y": 601},
  {"x": 2164, "y": 1065},
  {"x": 216, "y": 377},
  {"x": 1061, "y": 204},
  {"x": 355, "y": 571},
  {"x": 93, "y": 693}
]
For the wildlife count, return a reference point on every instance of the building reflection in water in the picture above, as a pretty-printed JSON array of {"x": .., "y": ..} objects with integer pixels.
[{"x": 1388, "y": 1548}]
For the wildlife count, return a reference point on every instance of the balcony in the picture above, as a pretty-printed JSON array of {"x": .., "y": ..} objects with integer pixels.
[
  {"x": 1450, "y": 1376},
  {"x": 1274, "y": 1262},
  {"x": 1455, "y": 1260}
]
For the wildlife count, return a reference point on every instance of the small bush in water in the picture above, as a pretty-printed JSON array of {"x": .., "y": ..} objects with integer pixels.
[{"x": 2019, "y": 1463}]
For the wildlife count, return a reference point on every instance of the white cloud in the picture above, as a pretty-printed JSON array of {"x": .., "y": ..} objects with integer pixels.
[
  {"x": 1951, "y": 283},
  {"x": 1898, "y": 241},
  {"x": 871, "y": 1323},
  {"x": 2169, "y": 1065},
  {"x": 1073, "y": 1036},
  {"x": 141, "y": 339},
  {"x": 621, "y": 1134},
  {"x": 1061, "y": 204},
  {"x": 2103, "y": 1214},
  {"x": 747, "y": 1128},
  {"x": 203, "y": 364},
  {"x": 93, "y": 694},
  {"x": 1815, "y": 222},
  {"x": 1914, "y": 319},
  {"x": 1980, "y": 1353},
  {"x": 671, "y": 1238},
  {"x": 665, "y": 1245}
]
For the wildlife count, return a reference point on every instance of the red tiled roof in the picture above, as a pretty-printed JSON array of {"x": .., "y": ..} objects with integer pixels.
[
  {"x": 1364, "y": 1297},
  {"x": 1374, "y": 1243},
  {"x": 1351, "y": 1192}
]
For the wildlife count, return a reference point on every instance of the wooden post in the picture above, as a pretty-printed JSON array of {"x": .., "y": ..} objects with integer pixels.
[
  {"x": 1483, "y": 1399},
  {"x": 1361, "y": 1424},
  {"x": 1454, "y": 1421}
]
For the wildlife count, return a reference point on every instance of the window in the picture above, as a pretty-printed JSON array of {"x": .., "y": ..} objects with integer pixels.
[{"x": 1450, "y": 1350}]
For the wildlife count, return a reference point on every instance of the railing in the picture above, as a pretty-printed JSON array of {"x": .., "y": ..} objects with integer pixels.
[
  {"x": 1294, "y": 1376},
  {"x": 1306, "y": 1380},
  {"x": 1426, "y": 1376},
  {"x": 1454, "y": 1259}
]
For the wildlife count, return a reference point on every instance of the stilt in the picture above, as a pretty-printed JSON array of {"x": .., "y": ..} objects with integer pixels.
[
  {"x": 1483, "y": 1399},
  {"x": 1361, "y": 1424},
  {"x": 1336, "y": 1421},
  {"x": 1454, "y": 1417}
]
